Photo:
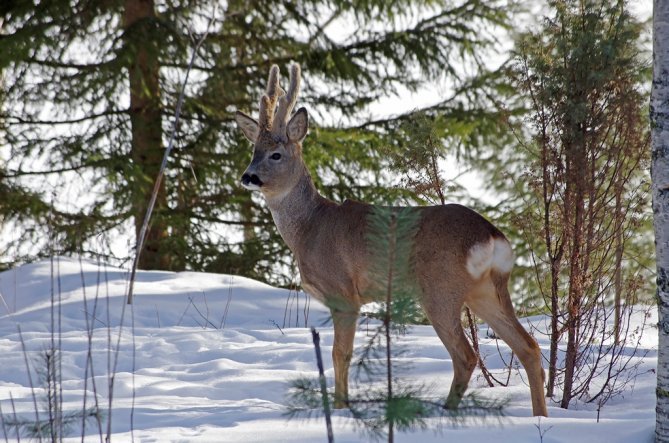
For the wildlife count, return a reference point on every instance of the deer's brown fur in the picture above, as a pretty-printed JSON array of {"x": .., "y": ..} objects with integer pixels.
[{"x": 459, "y": 257}]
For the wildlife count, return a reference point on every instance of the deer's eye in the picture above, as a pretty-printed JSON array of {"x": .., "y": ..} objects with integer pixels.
[{"x": 275, "y": 156}]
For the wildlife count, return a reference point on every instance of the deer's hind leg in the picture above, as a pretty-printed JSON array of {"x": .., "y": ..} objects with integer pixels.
[
  {"x": 491, "y": 301},
  {"x": 445, "y": 319}
]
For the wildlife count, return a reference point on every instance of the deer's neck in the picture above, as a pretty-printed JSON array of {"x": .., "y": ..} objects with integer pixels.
[{"x": 292, "y": 212}]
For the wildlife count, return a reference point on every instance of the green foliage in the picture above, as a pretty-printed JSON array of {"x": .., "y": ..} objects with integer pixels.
[
  {"x": 391, "y": 233},
  {"x": 28, "y": 427},
  {"x": 425, "y": 141},
  {"x": 411, "y": 408},
  {"x": 68, "y": 129}
]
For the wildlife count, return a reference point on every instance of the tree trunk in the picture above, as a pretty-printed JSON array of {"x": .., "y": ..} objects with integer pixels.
[
  {"x": 575, "y": 192},
  {"x": 659, "y": 117},
  {"x": 573, "y": 305},
  {"x": 555, "y": 329},
  {"x": 555, "y": 252},
  {"x": 146, "y": 127},
  {"x": 246, "y": 213}
]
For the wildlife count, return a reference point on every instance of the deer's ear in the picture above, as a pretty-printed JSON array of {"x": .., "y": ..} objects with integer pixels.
[
  {"x": 248, "y": 125},
  {"x": 298, "y": 126}
]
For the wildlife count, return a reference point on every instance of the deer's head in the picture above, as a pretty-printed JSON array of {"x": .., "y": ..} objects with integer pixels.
[{"x": 277, "y": 137}]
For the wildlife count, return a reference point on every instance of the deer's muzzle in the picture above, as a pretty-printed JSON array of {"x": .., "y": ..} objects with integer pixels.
[{"x": 251, "y": 181}]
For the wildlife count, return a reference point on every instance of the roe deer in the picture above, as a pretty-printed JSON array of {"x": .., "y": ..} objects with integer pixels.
[{"x": 458, "y": 256}]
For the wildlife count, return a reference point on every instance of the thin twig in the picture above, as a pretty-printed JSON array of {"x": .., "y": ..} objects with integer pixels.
[
  {"x": 205, "y": 318},
  {"x": 277, "y": 326},
  {"x": 392, "y": 230},
  {"x": 183, "y": 314},
  {"x": 475, "y": 344},
  {"x": 53, "y": 348},
  {"x": 4, "y": 425},
  {"x": 89, "y": 352},
  {"x": 98, "y": 417},
  {"x": 16, "y": 419},
  {"x": 30, "y": 380},
  {"x": 57, "y": 355},
  {"x": 285, "y": 310},
  {"x": 321, "y": 377},
  {"x": 227, "y": 303},
  {"x": 134, "y": 370},
  {"x": 307, "y": 308}
]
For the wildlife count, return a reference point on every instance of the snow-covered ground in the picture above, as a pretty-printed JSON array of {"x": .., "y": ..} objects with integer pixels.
[{"x": 205, "y": 357}]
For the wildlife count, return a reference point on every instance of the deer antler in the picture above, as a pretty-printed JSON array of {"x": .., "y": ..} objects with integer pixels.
[
  {"x": 269, "y": 99},
  {"x": 287, "y": 102}
]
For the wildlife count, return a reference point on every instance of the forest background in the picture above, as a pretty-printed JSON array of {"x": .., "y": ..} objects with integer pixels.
[{"x": 552, "y": 123}]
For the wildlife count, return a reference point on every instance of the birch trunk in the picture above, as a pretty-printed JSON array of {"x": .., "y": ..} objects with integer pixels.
[{"x": 659, "y": 117}]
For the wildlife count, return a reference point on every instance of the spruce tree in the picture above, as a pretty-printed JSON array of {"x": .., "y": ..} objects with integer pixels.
[{"x": 90, "y": 91}]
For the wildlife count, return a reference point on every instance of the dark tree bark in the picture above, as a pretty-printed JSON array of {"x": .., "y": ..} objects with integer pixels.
[{"x": 146, "y": 130}]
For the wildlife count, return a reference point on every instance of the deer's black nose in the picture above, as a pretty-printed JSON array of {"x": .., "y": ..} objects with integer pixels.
[{"x": 251, "y": 179}]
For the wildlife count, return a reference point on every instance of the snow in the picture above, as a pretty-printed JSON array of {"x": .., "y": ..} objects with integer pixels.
[{"x": 206, "y": 357}]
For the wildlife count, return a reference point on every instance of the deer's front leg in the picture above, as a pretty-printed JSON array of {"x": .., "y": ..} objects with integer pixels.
[{"x": 345, "y": 323}]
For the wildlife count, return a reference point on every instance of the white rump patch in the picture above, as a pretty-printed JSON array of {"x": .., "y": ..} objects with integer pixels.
[
  {"x": 480, "y": 258},
  {"x": 495, "y": 253},
  {"x": 503, "y": 258}
]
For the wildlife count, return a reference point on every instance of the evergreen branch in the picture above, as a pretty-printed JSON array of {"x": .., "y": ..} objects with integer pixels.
[
  {"x": 448, "y": 105},
  {"x": 36, "y": 429},
  {"x": 409, "y": 408},
  {"x": 13, "y": 119},
  {"x": 58, "y": 63},
  {"x": 16, "y": 173}
]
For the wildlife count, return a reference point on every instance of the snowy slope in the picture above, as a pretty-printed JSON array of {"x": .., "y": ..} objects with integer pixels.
[{"x": 208, "y": 357}]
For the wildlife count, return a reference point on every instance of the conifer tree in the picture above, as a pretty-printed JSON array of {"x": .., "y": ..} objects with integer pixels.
[
  {"x": 90, "y": 89},
  {"x": 584, "y": 190}
]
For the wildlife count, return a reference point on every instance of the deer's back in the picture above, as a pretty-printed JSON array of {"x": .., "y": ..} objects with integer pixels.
[{"x": 335, "y": 258}]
